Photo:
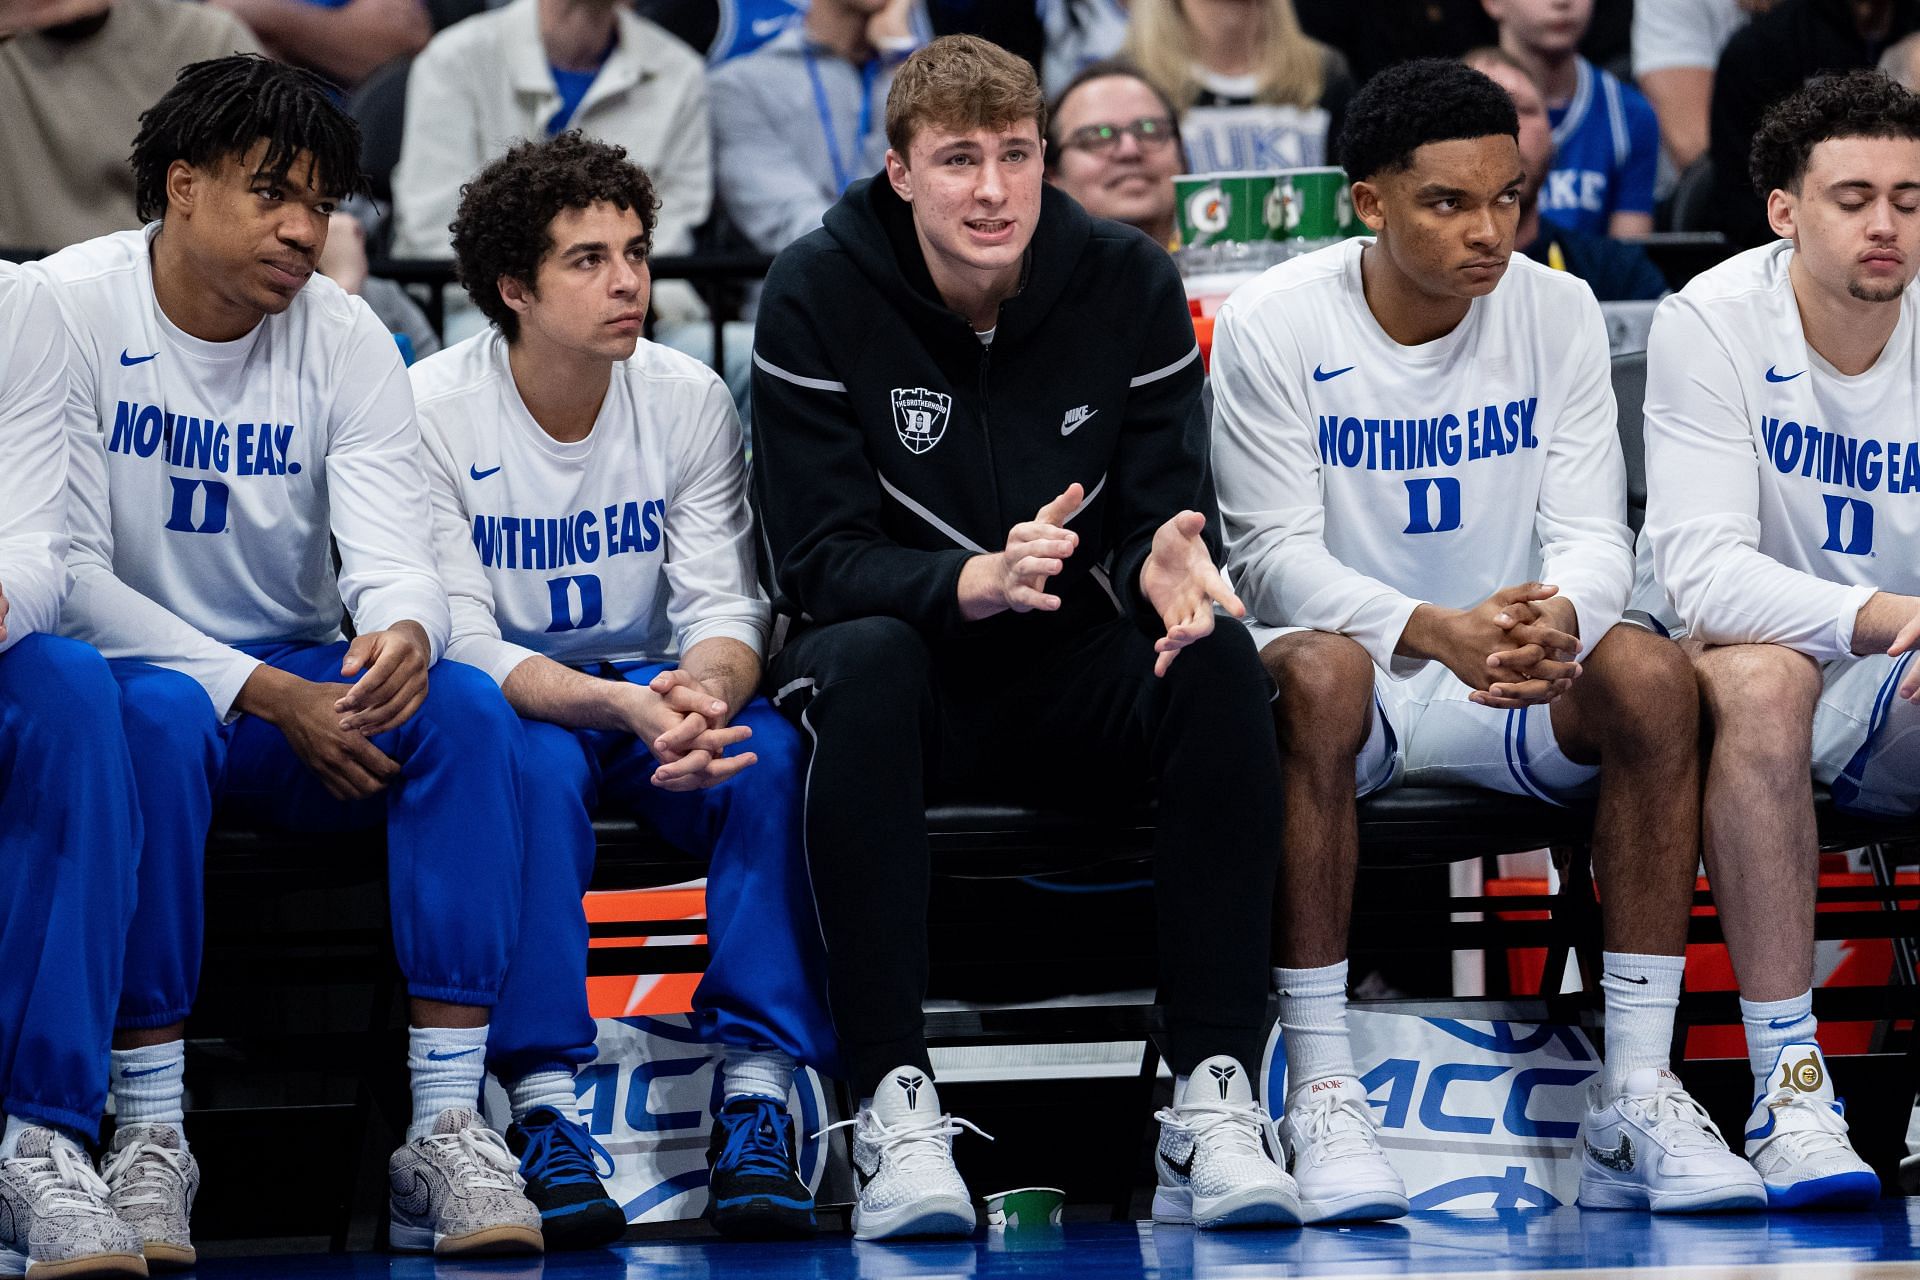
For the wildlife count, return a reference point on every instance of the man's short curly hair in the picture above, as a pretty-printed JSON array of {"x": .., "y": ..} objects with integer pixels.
[
  {"x": 1858, "y": 104},
  {"x": 1406, "y": 106},
  {"x": 502, "y": 225}
]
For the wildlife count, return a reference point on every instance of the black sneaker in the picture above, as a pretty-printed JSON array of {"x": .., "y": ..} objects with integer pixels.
[
  {"x": 755, "y": 1191},
  {"x": 561, "y": 1162}
]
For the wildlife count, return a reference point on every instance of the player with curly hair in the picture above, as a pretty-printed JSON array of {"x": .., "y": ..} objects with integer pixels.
[
  {"x": 591, "y": 524},
  {"x": 233, "y": 418},
  {"x": 1425, "y": 505},
  {"x": 1783, "y": 447}
]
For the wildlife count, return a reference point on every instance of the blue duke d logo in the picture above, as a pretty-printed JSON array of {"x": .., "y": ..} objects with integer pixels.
[
  {"x": 563, "y": 592},
  {"x": 1849, "y": 525},
  {"x": 199, "y": 506},
  {"x": 1433, "y": 505}
]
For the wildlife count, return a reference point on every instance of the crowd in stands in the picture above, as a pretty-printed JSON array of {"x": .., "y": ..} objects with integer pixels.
[{"x": 753, "y": 116}]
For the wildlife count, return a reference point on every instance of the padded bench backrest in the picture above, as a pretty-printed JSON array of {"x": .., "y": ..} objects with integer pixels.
[{"x": 1630, "y": 398}]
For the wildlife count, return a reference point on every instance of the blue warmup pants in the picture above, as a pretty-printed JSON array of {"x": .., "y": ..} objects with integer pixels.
[
  {"x": 764, "y": 985},
  {"x": 454, "y": 835},
  {"x": 69, "y": 845}
]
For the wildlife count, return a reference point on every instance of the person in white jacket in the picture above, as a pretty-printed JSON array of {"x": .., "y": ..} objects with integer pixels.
[
  {"x": 1783, "y": 444},
  {"x": 232, "y": 418},
  {"x": 1425, "y": 502},
  {"x": 532, "y": 70}
]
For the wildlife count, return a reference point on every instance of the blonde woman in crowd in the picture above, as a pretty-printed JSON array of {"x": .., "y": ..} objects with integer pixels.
[{"x": 1256, "y": 92}]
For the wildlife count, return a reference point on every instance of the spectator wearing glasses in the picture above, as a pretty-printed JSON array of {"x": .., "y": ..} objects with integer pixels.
[
  {"x": 780, "y": 165},
  {"x": 1254, "y": 91},
  {"x": 1113, "y": 144}
]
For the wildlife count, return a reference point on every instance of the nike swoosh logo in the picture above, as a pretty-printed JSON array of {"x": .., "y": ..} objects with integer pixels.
[
  {"x": 1778, "y": 1025},
  {"x": 434, "y": 1055},
  {"x": 1320, "y": 375},
  {"x": 1184, "y": 1167},
  {"x": 1638, "y": 982},
  {"x": 130, "y": 361},
  {"x": 478, "y": 474},
  {"x": 1619, "y": 1159},
  {"x": 1068, "y": 428},
  {"x": 1781, "y": 377},
  {"x": 417, "y": 1199},
  {"x": 764, "y": 27},
  {"x": 127, "y": 1073}
]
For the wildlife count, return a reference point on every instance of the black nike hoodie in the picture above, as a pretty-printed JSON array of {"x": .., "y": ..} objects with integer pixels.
[{"x": 890, "y": 445}]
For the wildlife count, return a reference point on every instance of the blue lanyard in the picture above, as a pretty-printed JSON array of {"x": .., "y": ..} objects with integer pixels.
[{"x": 843, "y": 174}]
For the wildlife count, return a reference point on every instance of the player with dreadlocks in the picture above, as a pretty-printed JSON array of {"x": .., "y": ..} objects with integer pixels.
[{"x": 230, "y": 413}]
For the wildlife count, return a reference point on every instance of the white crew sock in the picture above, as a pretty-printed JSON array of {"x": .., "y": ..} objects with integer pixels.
[
  {"x": 1313, "y": 1023},
  {"x": 542, "y": 1089},
  {"x": 447, "y": 1065},
  {"x": 1772, "y": 1025},
  {"x": 1642, "y": 994},
  {"x": 762, "y": 1073},
  {"x": 150, "y": 1085}
]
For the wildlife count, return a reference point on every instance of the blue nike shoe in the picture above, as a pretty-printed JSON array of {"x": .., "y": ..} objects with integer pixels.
[
  {"x": 561, "y": 1164},
  {"x": 755, "y": 1191}
]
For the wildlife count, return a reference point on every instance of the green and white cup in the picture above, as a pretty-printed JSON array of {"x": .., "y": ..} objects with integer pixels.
[
  {"x": 1318, "y": 205},
  {"x": 1025, "y": 1209},
  {"x": 1238, "y": 208}
]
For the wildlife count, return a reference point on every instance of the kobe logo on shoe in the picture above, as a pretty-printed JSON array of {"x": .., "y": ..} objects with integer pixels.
[
  {"x": 1223, "y": 1076},
  {"x": 912, "y": 1085}
]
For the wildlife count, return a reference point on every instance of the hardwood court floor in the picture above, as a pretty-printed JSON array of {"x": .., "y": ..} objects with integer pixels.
[{"x": 1557, "y": 1244}]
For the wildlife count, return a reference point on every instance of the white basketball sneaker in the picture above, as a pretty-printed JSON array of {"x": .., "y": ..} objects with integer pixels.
[
  {"x": 1797, "y": 1138},
  {"x": 903, "y": 1162},
  {"x": 1654, "y": 1147},
  {"x": 1215, "y": 1160},
  {"x": 1330, "y": 1139}
]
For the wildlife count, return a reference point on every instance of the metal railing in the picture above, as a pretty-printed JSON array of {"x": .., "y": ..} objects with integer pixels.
[{"x": 428, "y": 279}]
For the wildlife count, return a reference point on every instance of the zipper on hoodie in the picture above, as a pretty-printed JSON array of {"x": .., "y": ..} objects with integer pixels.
[{"x": 986, "y": 415}]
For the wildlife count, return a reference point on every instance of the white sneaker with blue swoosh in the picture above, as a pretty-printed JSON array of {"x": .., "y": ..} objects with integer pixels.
[
  {"x": 1797, "y": 1138},
  {"x": 1654, "y": 1147},
  {"x": 1216, "y": 1159}
]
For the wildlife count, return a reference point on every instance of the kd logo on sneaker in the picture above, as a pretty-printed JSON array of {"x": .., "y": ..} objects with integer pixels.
[{"x": 1804, "y": 1076}]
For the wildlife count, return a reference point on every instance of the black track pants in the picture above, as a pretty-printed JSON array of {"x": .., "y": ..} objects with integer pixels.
[{"x": 1078, "y": 720}]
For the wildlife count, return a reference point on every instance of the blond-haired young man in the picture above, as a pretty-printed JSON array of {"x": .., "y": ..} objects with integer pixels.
[{"x": 991, "y": 528}]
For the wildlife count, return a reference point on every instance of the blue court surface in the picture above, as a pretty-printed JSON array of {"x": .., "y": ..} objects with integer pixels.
[{"x": 1559, "y": 1243}]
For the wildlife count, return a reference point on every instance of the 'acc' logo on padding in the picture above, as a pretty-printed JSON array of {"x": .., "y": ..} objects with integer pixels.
[{"x": 920, "y": 417}]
